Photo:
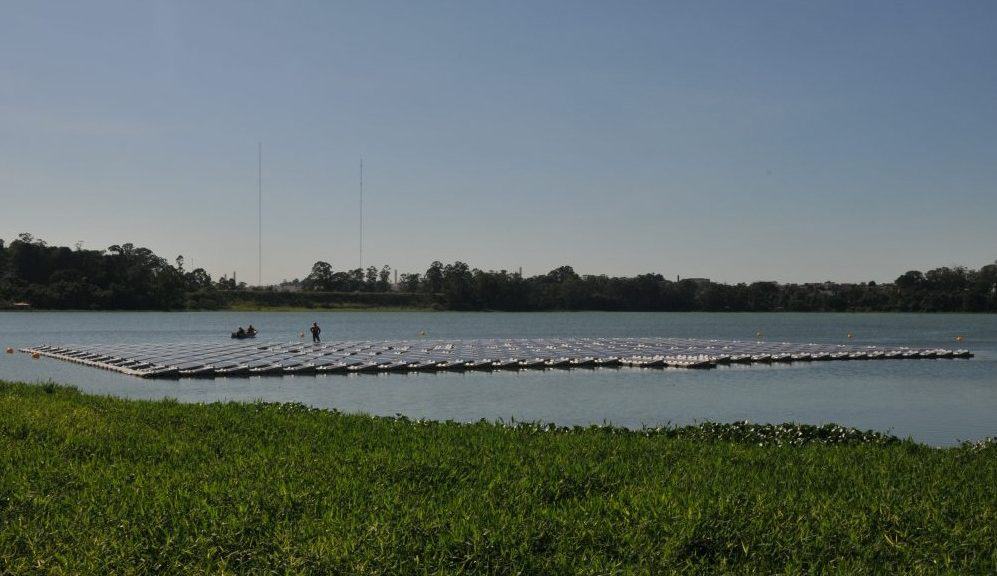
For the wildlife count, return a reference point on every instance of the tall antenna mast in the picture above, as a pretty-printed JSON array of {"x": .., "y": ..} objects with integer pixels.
[
  {"x": 361, "y": 213},
  {"x": 259, "y": 215}
]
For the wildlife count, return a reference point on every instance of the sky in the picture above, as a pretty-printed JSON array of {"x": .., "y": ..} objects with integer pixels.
[{"x": 737, "y": 141}]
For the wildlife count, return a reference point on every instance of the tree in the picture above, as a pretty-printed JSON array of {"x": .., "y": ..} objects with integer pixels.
[
  {"x": 911, "y": 280},
  {"x": 197, "y": 279},
  {"x": 457, "y": 285},
  {"x": 370, "y": 279},
  {"x": 562, "y": 274},
  {"x": 433, "y": 280},
  {"x": 409, "y": 283},
  {"x": 320, "y": 278},
  {"x": 126, "y": 276},
  {"x": 29, "y": 239},
  {"x": 384, "y": 279}
]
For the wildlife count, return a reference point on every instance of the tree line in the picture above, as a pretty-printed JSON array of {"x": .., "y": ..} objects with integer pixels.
[
  {"x": 122, "y": 277},
  {"x": 461, "y": 287},
  {"x": 126, "y": 277}
]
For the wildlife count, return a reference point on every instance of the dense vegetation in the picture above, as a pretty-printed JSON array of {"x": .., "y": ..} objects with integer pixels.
[
  {"x": 122, "y": 277},
  {"x": 463, "y": 288},
  {"x": 128, "y": 277},
  {"x": 95, "y": 485}
]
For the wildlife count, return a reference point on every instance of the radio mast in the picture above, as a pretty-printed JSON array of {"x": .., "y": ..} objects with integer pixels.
[
  {"x": 361, "y": 214},
  {"x": 259, "y": 214}
]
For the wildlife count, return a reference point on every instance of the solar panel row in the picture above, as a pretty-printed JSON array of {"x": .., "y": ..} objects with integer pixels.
[{"x": 244, "y": 359}]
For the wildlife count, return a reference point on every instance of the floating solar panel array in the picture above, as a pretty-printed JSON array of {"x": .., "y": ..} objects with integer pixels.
[{"x": 251, "y": 358}]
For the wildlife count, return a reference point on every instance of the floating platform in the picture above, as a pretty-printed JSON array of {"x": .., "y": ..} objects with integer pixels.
[{"x": 228, "y": 359}]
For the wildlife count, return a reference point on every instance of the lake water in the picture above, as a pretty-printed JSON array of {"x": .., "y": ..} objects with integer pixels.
[{"x": 938, "y": 402}]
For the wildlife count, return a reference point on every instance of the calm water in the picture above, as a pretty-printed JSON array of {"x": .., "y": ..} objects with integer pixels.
[{"x": 934, "y": 401}]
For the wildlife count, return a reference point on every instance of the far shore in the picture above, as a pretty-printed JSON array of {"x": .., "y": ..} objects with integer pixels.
[{"x": 238, "y": 307}]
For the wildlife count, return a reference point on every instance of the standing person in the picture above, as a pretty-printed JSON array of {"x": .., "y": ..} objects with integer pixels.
[{"x": 315, "y": 332}]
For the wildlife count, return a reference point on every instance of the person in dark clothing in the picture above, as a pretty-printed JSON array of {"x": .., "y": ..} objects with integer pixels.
[{"x": 315, "y": 332}]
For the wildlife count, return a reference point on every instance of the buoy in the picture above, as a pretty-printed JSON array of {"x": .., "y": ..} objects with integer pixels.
[
  {"x": 10, "y": 350},
  {"x": 36, "y": 355},
  {"x": 422, "y": 333},
  {"x": 850, "y": 335},
  {"x": 958, "y": 338}
]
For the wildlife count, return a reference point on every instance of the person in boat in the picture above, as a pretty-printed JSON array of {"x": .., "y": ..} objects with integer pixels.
[
  {"x": 240, "y": 333},
  {"x": 315, "y": 332},
  {"x": 251, "y": 331}
]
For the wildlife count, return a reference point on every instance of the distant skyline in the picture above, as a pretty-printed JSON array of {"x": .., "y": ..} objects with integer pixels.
[{"x": 798, "y": 142}]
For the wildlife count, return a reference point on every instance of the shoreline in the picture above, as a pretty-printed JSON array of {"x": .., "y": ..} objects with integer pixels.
[{"x": 431, "y": 309}]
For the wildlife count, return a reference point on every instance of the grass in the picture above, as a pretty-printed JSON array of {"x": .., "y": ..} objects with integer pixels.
[{"x": 98, "y": 485}]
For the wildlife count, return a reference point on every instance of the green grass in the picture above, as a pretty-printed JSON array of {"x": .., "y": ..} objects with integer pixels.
[{"x": 99, "y": 485}]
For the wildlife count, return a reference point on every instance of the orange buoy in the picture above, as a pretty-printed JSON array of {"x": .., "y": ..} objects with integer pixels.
[{"x": 36, "y": 355}]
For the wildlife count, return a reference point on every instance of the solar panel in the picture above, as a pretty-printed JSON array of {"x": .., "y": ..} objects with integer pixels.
[{"x": 192, "y": 359}]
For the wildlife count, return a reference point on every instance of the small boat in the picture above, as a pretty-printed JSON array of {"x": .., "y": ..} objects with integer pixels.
[{"x": 244, "y": 335}]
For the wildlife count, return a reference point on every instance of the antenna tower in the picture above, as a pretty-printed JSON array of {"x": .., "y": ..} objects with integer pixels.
[
  {"x": 259, "y": 214},
  {"x": 361, "y": 213}
]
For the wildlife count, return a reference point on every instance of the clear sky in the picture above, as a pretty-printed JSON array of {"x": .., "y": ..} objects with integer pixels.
[{"x": 739, "y": 141}]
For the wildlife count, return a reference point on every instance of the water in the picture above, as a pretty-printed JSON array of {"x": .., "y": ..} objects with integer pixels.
[{"x": 938, "y": 402}]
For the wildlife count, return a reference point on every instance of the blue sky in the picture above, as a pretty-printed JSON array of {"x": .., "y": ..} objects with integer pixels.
[{"x": 794, "y": 141}]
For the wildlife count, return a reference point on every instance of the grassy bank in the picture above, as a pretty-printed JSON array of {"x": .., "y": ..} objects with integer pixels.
[{"x": 98, "y": 485}]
